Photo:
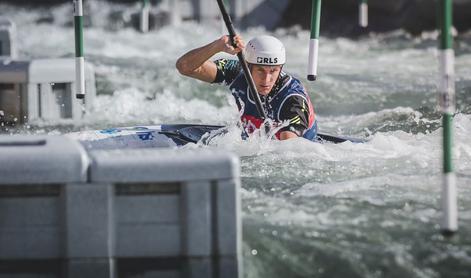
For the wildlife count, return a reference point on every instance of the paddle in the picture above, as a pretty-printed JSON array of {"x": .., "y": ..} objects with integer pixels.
[{"x": 245, "y": 67}]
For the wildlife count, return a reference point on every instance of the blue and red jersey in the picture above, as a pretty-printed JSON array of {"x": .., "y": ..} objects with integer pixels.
[{"x": 287, "y": 102}]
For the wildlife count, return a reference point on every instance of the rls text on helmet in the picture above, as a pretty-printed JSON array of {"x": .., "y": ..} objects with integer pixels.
[
  {"x": 264, "y": 60},
  {"x": 265, "y": 50}
]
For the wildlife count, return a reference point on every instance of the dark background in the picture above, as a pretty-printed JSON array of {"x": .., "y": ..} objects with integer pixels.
[{"x": 340, "y": 17}]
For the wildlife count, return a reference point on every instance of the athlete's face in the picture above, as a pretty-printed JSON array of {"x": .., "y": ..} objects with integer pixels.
[{"x": 265, "y": 77}]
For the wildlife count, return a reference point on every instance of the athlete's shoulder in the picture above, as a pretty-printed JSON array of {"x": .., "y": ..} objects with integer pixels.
[
  {"x": 227, "y": 64},
  {"x": 227, "y": 70},
  {"x": 293, "y": 84}
]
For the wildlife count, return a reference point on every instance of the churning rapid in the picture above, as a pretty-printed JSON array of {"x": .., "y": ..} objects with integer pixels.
[{"x": 309, "y": 210}]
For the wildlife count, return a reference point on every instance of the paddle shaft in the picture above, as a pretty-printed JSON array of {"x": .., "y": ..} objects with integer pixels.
[{"x": 243, "y": 62}]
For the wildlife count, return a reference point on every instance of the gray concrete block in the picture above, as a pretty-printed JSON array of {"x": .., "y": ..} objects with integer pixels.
[
  {"x": 227, "y": 210},
  {"x": 29, "y": 227},
  {"x": 41, "y": 160},
  {"x": 162, "y": 165},
  {"x": 88, "y": 212},
  {"x": 136, "y": 204},
  {"x": 44, "y": 88},
  {"x": 147, "y": 209},
  {"x": 14, "y": 72},
  {"x": 198, "y": 268},
  {"x": 82, "y": 268},
  {"x": 229, "y": 267},
  {"x": 158, "y": 274},
  {"x": 30, "y": 269},
  {"x": 30, "y": 243},
  {"x": 197, "y": 219},
  {"x": 136, "y": 240},
  {"x": 150, "y": 267},
  {"x": 29, "y": 211}
]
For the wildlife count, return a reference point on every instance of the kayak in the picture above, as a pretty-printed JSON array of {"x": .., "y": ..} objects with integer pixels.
[{"x": 163, "y": 136}]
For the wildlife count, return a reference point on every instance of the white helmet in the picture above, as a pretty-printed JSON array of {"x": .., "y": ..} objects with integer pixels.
[{"x": 265, "y": 50}]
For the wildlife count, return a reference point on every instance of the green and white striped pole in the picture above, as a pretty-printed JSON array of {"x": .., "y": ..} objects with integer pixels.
[
  {"x": 363, "y": 13},
  {"x": 79, "y": 60},
  {"x": 314, "y": 42},
  {"x": 144, "y": 19},
  {"x": 447, "y": 105}
]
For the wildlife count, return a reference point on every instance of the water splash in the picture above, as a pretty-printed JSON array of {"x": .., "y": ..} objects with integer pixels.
[{"x": 309, "y": 210}]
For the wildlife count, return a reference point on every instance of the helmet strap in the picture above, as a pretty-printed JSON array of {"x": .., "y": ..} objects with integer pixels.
[{"x": 278, "y": 79}]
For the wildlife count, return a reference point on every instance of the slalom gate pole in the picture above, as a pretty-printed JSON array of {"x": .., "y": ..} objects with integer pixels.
[
  {"x": 174, "y": 6},
  {"x": 79, "y": 59},
  {"x": 243, "y": 62},
  {"x": 363, "y": 13},
  {"x": 447, "y": 106},
  {"x": 314, "y": 41},
  {"x": 144, "y": 18}
]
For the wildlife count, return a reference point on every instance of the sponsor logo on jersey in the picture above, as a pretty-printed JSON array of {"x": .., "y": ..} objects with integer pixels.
[{"x": 221, "y": 63}]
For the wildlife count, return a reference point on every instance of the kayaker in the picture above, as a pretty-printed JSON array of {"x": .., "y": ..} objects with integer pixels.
[{"x": 284, "y": 98}]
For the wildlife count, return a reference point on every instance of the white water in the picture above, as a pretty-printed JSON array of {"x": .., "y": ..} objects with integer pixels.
[{"x": 309, "y": 210}]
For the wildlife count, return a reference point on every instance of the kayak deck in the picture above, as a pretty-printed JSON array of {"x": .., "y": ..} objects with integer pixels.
[{"x": 168, "y": 136}]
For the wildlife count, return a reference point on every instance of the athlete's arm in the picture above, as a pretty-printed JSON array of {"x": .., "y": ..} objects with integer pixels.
[
  {"x": 196, "y": 64},
  {"x": 284, "y": 135},
  {"x": 296, "y": 111}
]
